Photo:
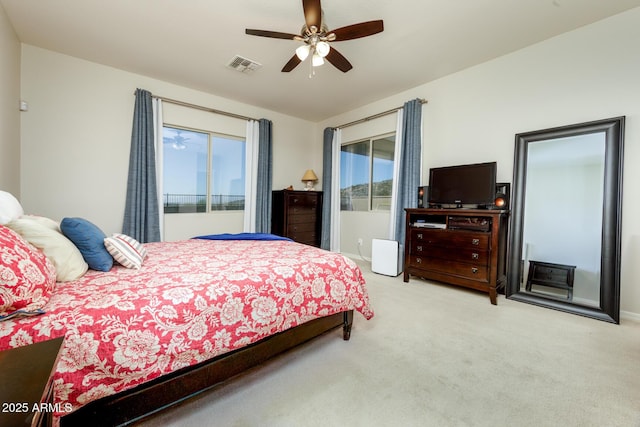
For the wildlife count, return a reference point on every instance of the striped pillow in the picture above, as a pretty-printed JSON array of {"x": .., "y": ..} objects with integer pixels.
[{"x": 126, "y": 250}]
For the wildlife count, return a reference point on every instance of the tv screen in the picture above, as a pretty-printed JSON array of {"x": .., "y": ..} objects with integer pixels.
[{"x": 463, "y": 184}]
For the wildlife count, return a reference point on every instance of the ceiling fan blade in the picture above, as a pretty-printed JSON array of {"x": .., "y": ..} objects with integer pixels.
[
  {"x": 293, "y": 63},
  {"x": 356, "y": 31},
  {"x": 272, "y": 34},
  {"x": 338, "y": 60},
  {"x": 312, "y": 13}
]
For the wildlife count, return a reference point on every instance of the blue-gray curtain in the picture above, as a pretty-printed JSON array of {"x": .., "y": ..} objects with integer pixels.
[
  {"x": 327, "y": 155},
  {"x": 264, "y": 177},
  {"x": 409, "y": 178},
  {"x": 141, "y": 214}
]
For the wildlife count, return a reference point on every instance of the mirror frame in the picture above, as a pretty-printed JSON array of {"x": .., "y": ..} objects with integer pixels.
[{"x": 609, "y": 308}]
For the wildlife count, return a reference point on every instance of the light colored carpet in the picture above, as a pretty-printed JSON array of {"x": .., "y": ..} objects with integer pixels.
[{"x": 438, "y": 355}]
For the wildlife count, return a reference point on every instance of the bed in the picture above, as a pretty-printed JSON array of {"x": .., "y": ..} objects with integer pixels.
[{"x": 193, "y": 314}]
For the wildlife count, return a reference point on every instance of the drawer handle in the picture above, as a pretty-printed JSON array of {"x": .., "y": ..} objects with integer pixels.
[
  {"x": 419, "y": 260},
  {"x": 419, "y": 248},
  {"x": 475, "y": 256},
  {"x": 474, "y": 270},
  {"x": 475, "y": 242}
]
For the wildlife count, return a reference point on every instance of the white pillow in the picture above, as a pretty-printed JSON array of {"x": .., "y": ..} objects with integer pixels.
[
  {"x": 126, "y": 250},
  {"x": 10, "y": 208},
  {"x": 47, "y": 222},
  {"x": 62, "y": 253}
]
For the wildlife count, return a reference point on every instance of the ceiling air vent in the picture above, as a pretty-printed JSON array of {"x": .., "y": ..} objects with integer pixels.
[{"x": 243, "y": 64}]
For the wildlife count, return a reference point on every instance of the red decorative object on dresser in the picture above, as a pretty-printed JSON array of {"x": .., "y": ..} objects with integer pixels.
[{"x": 464, "y": 247}]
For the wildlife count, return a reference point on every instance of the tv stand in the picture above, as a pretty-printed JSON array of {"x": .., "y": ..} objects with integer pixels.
[{"x": 467, "y": 249}]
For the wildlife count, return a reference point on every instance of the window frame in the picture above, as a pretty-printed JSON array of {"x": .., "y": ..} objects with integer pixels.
[
  {"x": 370, "y": 140},
  {"x": 210, "y": 137}
]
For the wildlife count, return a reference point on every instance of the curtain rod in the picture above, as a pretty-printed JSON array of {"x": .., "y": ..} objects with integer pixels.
[
  {"x": 375, "y": 116},
  {"x": 238, "y": 116},
  {"x": 199, "y": 107}
]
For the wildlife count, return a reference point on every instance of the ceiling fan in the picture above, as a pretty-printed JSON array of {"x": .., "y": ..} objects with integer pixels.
[{"x": 316, "y": 37}]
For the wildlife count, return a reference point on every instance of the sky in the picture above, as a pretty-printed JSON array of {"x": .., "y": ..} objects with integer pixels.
[{"x": 185, "y": 163}]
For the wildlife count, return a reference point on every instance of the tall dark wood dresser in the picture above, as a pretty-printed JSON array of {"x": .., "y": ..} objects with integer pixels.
[{"x": 297, "y": 215}]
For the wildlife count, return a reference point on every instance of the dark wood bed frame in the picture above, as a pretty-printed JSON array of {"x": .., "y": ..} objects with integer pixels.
[{"x": 146, "y": 399}]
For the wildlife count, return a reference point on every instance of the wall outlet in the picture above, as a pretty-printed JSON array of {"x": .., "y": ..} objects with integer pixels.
[{"x": 360, "y": 241}]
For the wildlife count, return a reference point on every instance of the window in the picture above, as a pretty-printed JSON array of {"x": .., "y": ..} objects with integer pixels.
[
  {"x": 366, "y": 174},
  {"x": 202, "y": 171}
]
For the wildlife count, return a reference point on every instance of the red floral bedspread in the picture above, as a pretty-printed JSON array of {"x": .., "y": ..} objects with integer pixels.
[{"x": 190, "y": 301}]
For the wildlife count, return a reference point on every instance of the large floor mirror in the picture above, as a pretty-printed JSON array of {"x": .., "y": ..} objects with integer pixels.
[{"x": 566, "y": 218}]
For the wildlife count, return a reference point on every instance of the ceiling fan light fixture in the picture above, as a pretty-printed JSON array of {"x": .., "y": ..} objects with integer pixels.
[
  {"x": 302, "y": 52},
  {"x": 317, "y": 60},
  {"x": 323, "y": 48}
]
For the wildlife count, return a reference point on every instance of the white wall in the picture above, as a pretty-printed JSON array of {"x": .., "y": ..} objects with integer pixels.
[
  {"x": 77, "y": 133},
  {"x": 9, "y": 111},
  {"x": 472, "y": 116}
]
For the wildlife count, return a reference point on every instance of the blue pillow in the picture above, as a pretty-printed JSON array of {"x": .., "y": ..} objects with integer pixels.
[{"x": 89, "y": 240}]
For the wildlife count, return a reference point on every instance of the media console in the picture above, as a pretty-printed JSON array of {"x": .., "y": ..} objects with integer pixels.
[{"x": 464, "y": 247}]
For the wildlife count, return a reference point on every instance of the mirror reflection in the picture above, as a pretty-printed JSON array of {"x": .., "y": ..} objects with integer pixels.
[
  {"x": 562, "y": 228},
  {"x": 564, "y": 250}
]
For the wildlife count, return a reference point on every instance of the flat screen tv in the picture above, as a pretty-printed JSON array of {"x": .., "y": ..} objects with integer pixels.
[{"x": 463, "y": 184}]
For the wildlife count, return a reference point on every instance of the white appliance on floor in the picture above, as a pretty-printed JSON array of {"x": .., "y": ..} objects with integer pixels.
[{"x": 387, "y": 257}]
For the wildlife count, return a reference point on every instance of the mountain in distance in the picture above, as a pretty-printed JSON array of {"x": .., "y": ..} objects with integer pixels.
[{"x": 380, "y": 188}]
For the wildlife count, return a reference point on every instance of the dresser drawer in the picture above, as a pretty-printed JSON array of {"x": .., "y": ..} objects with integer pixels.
[
  {"x": 302, "y": 210},
  {"x": 473, "y": 255},
  {"x": 546, "y": 274},
  {"x": 302, "y": 200},
  {"x": 303, "y": 227},
  {"x": 306, "y": 237},
  {"x": 479, "y": 272},
  {"x": 458, "y": 239}
]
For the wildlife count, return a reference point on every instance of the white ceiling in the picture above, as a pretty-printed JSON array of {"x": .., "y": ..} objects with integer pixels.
[{"x": 189, "y": 42}]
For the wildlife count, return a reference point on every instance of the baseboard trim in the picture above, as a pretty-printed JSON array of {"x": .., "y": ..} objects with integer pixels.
[
  {"x": 356, "y": 257},
  {"x": 629, "y": 315}
]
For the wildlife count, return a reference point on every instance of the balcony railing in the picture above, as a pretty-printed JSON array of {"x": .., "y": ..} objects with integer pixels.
[
  {"x": 361, "y": 203},
  {"x": 189, "y": 203}
]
